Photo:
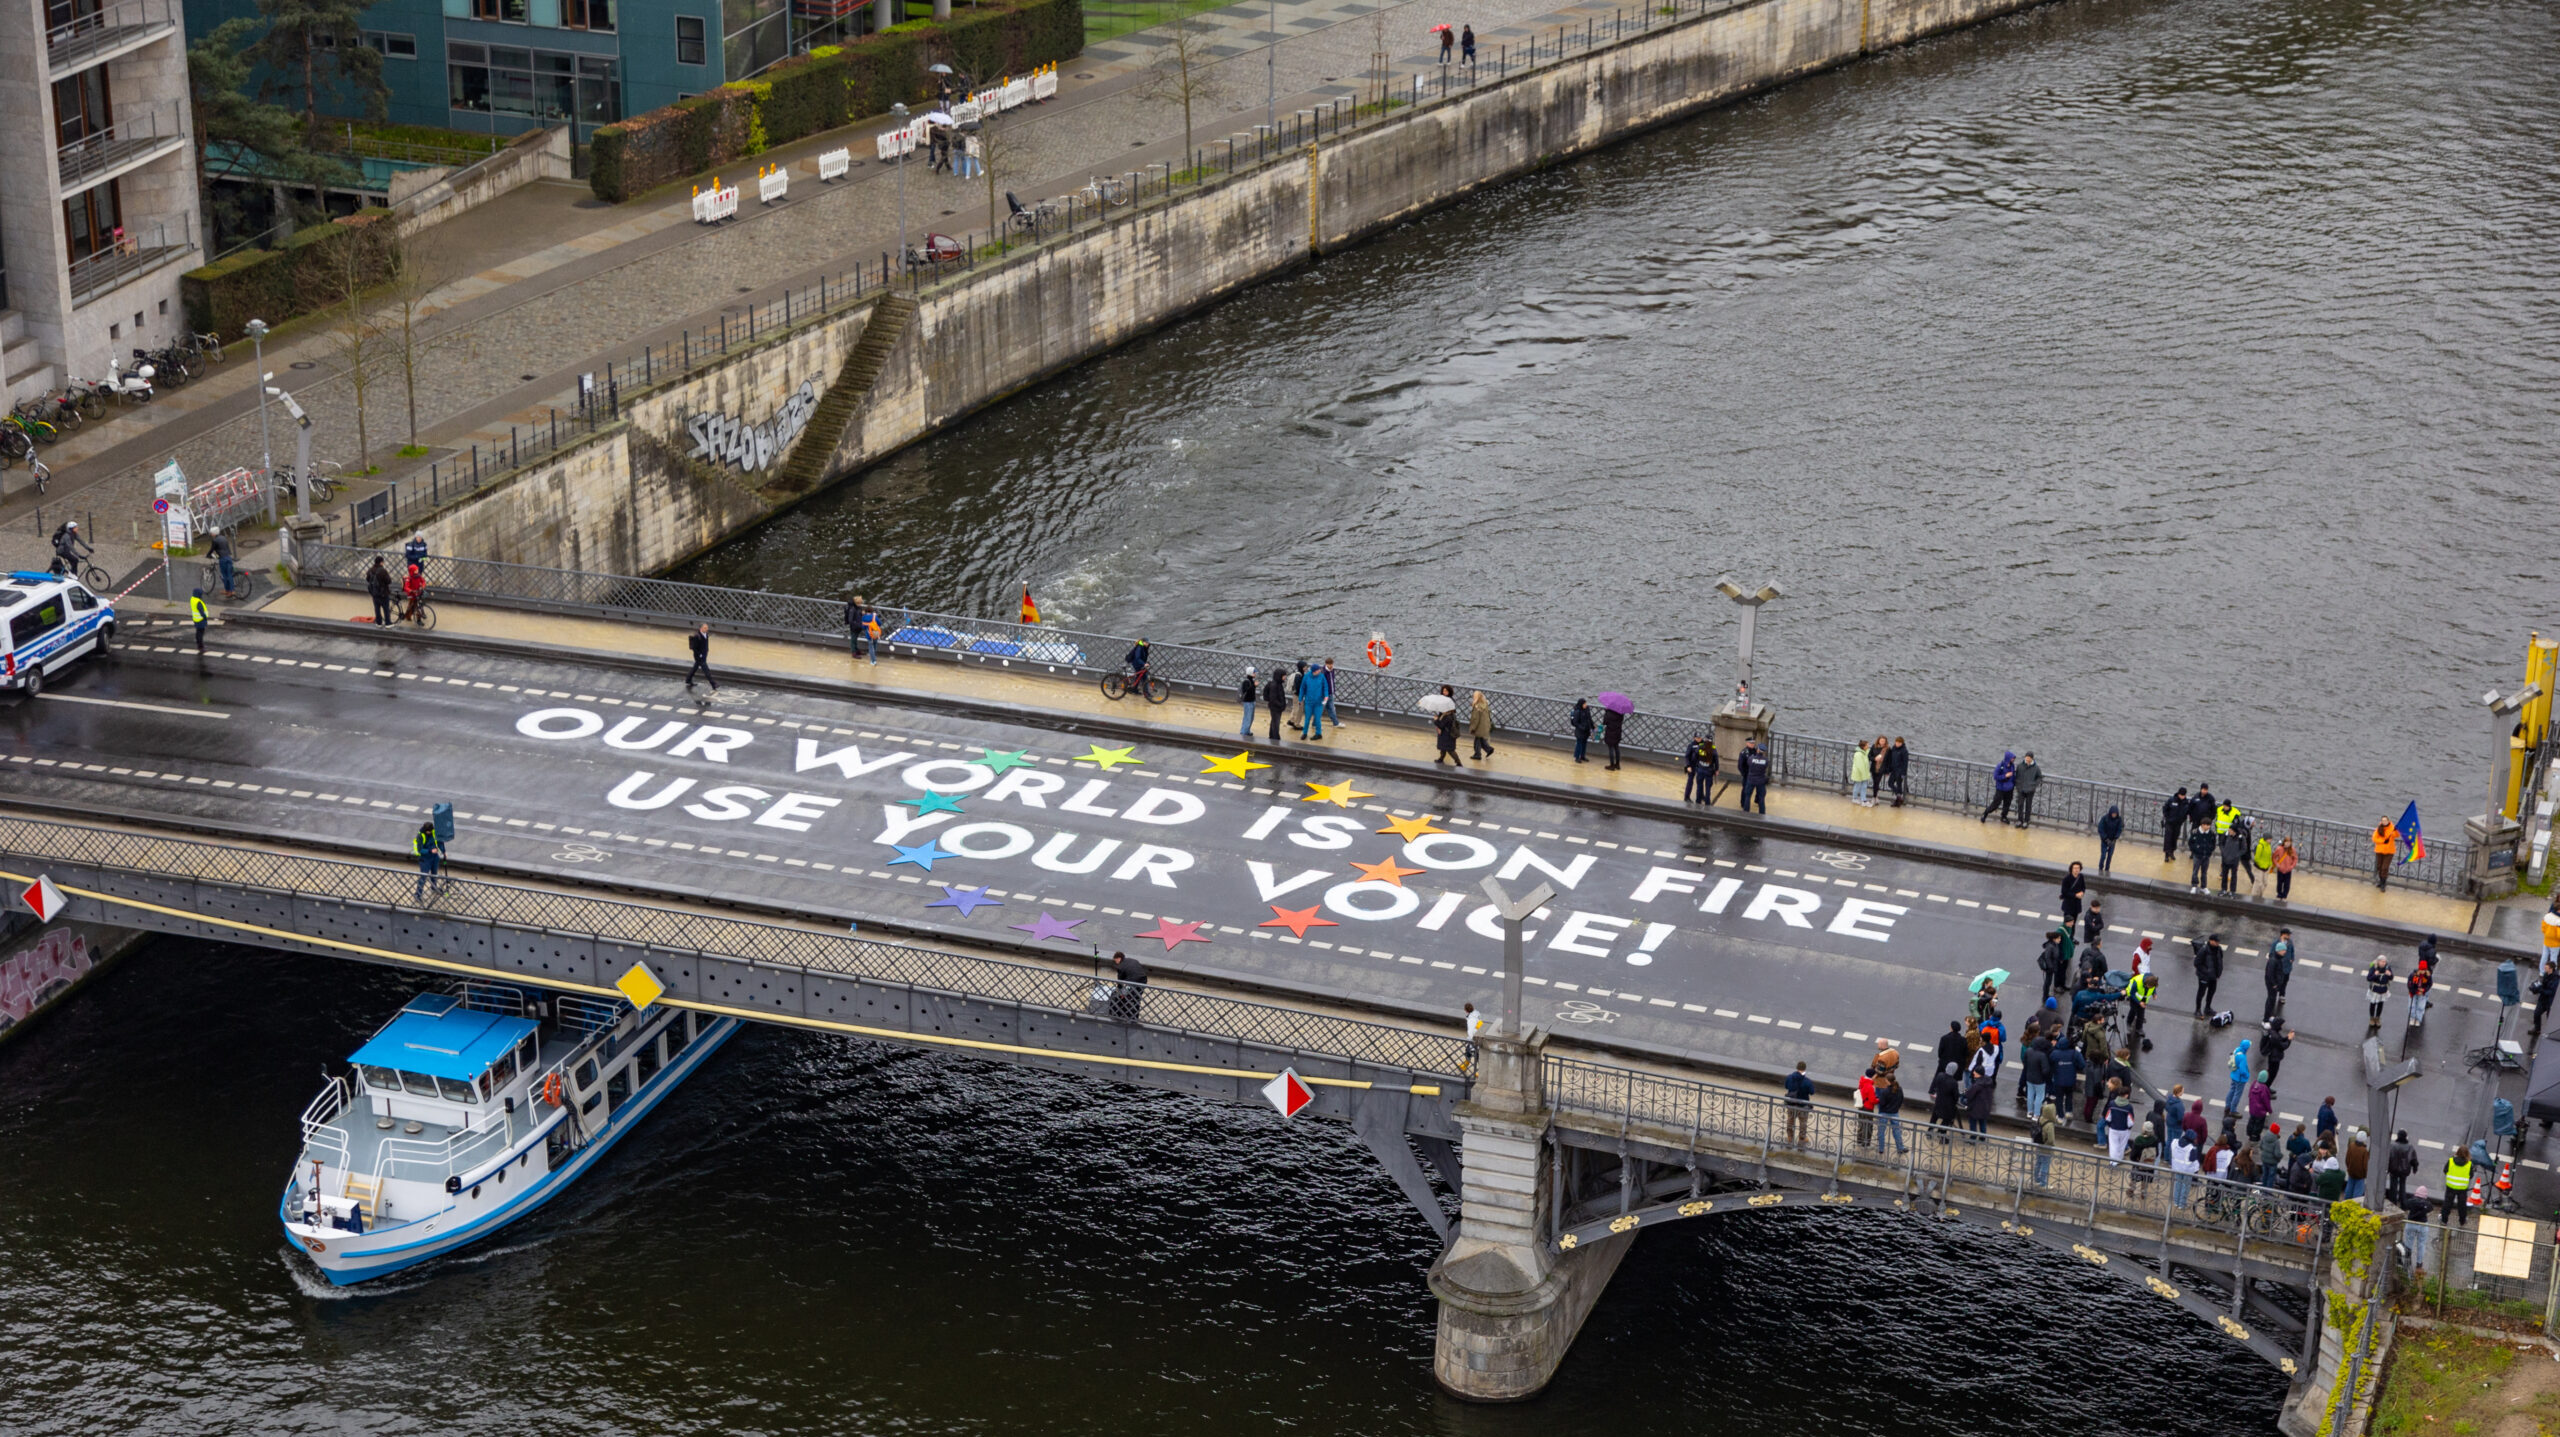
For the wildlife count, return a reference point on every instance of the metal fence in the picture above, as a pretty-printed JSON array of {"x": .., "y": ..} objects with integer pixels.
[
  {"x": 2497, "y": 1265},
  {"x": 1796, "y": 760},
  {"x": 1944, "y": 1158},
  {"x": 165, "y": 861}
]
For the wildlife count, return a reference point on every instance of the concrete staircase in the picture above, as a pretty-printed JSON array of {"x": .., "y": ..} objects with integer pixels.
[
  {"x": 807, "y": 465},
  {"x": 23, "y": 373}
]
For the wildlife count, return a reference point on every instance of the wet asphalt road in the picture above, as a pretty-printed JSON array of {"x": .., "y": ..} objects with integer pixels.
[{"x": 1680, "y": 934}]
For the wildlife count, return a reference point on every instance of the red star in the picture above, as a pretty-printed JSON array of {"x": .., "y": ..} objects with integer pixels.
[
  {"x": 1173, "y": 933},
  {"x": 1299, "y": 920}
]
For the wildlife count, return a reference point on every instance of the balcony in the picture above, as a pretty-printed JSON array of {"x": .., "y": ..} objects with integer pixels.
[
  {"x": 134, "y": 139},
  {"x": 138, "y": 250},
  {"x": 107, "y": 31}
]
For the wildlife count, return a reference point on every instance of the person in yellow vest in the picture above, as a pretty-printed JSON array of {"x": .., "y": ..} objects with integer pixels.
[
  {"x": 198, "y": 614},
  {"x": 2225, "y": 816},
  {"x": 2457, "y": 1187},
  {"x": 2140, "y": 991},
  {"x": 2386, "y": 846}
]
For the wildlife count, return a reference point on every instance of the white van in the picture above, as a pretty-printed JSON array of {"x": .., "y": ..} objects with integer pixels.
[{"x": 52, "y": 619}]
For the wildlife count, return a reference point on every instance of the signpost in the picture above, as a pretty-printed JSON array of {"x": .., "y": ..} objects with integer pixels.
[{"x": 177, "y": 526}]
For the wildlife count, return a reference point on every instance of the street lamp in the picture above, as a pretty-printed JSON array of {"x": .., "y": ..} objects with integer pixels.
[
  {"x": 1750, "y": 619},
  {"x": 898, "y": 112},
  {"x": 1513, "y": 915},
  {"x": 256, "y": 329},
  {"x": 1742, "y": 720},
  {"x": 1271, "y": 73}
]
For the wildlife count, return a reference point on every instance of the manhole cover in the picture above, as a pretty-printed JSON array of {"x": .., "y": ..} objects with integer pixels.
[
  {"x": 303, "y": 364},
  {"x": 1084, "y": 74},
  {"x": 527, "y": 378},
  {"x": 1137, "y": 144},
  {"x": 746, "y": 289}
]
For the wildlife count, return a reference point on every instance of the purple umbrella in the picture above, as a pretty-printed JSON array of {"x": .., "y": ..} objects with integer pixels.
[{"x": 1616, "y": 703}]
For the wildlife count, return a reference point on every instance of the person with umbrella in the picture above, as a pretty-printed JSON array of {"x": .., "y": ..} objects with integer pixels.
[
  {"x": 1613, "y": 722},
  {"x": 1443, "y": 708},
  {"x": 1448, "y": 42},
  {"x": 1985, "y": 989}
]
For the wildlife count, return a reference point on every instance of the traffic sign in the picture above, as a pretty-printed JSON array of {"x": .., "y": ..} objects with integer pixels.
[
  {"x": 159, "y": 506},
  {"x": 43, "y": 898},
  {"x": 1287, "y": 1093}
]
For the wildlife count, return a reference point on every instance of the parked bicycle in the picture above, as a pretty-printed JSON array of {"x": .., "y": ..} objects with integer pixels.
[
  {"x": 168, "y": 364},
  {"x": 203, "y": 348},
  {"x": 1104, "y": 190},
  {"x": 244, "y": 584},
  {"x": 1033, "y": 218},
  {"x": 325, "y": 481},
  {"x": 1116, "y": 686}
]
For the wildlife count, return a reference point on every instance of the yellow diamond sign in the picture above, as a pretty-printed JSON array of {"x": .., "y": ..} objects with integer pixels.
[{"x": 641, "y": 986}]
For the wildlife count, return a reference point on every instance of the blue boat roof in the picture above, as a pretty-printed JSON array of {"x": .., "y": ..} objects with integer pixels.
[{"x": 456, "y": 1043}]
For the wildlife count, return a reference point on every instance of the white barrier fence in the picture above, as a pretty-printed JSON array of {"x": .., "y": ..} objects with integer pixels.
[
  {"x": 712, "y": 206},
  {"x": 1045, "y": 83},
  {"x": 772, "y": 185},
  {"x": 834, "y": 164}
]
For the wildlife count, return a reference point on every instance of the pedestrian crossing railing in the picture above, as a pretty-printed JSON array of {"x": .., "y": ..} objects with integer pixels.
[
  {"x": 1796, "y": 760},
  {"x": 198, "y": 877},
  {"x": 2064, "y": 1184}
]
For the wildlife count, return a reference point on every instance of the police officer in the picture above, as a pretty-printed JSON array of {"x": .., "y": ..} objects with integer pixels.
[
  {"x": 198, "y": 613},
  {"x": 430, "y": 851}
]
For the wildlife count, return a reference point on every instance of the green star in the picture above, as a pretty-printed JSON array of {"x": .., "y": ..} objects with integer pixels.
[
  {"x": 934, "y": 803},
  {"x": 1002, "y": 761},
  {"x": 1107, "y": 757}
]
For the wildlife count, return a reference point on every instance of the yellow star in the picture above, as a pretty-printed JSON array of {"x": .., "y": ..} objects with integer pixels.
[
  {"x": 1410, "y": 829},
  {"x": 1238, "y": 765},
  {"x": 1387, "y": 871},
  {"x": 1337, "y": 794},
  {"x": 1109, "y": 756}
]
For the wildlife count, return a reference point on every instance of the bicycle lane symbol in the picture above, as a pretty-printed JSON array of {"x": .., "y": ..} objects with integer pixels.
[{"x": 580, "y": 853}]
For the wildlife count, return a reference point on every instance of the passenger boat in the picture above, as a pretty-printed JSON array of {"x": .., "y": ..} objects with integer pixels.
[{"x": 468, "y": 1110}]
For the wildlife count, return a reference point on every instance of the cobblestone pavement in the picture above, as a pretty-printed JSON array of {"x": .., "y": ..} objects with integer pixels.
[{"x": 488, "y": 365}]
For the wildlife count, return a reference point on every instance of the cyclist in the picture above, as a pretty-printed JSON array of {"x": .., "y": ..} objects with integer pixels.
[
  {"x": 1137, "y": 662},
  {"x": 412, "y": 590},
  {"x": 68, "y": 548},
  {"x": 220, "y": 545}
]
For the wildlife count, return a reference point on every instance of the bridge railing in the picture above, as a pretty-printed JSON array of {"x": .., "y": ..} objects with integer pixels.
[
  {"x": 62, "y": 849},
  {"x": 1722, "y": 1119},
  {"x": 1796, "y": 760}
]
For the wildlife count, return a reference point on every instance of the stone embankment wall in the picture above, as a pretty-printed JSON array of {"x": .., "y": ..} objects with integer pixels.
[{"x": 638, "y": 499}]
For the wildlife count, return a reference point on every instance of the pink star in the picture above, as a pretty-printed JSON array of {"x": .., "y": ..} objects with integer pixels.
[{"x": 1173, "y": 933}]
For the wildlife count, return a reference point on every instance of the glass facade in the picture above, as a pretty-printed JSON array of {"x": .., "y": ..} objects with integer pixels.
[{"x": 546, "y": 86}]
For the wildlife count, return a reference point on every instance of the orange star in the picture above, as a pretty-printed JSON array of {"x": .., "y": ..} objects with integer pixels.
[
  {"x": 1387, "y": 871},
  {"x": 1299, "y": 920},
  {"x": 1410, "y": 829}
]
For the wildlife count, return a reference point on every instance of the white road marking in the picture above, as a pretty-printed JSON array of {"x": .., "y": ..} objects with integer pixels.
[{"x": 129, "y": 704}]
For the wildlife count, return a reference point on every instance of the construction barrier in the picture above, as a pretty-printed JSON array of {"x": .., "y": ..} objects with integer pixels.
[
  {"x": 713, "y": 205},
  {"x": 900, "y": 141},
  {"x": 1017, "y": 92},
  {"x": 1044, "y": 82},
  {"x": 772, "y": 185},
  {"x": 834, "y": 164}
]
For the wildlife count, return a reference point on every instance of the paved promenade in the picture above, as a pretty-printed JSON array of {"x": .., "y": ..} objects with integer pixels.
[{"x": 549, "y": 282}]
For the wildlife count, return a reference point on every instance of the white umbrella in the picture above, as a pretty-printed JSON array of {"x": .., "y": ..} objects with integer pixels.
[
  {"x": 937, "y": 117},
  {"x": 1437, "y": 703}
]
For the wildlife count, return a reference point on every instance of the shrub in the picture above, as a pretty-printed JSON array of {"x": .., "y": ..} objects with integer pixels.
[{"x": 305, "y": 273}]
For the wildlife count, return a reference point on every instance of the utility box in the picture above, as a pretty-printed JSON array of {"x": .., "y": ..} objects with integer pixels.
[
  {"x": 2492, "y": 873},
  {"x": 1736, "y": 722}
]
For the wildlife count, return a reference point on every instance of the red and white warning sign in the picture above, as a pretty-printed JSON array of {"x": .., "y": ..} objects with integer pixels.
[
  {"x": 1287, "y": 1093},
  {"x": 44, "y": 899}
]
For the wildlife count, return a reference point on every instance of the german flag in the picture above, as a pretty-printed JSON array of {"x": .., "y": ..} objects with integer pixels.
[{"x": 1030, "y": 609}]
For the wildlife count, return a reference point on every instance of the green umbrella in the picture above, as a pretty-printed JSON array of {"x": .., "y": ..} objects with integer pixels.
[{"x": 1987, "y": 975}]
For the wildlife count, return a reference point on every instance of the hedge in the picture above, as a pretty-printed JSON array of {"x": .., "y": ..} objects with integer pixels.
[
  {"x": 305, "y": 273},
  {"x": 828, "y": 87}
]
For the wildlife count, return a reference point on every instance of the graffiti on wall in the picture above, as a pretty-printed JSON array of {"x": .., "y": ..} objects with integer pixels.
[
  {"x": 39, "y": 973},
  {"x": 727, "y": 439}
]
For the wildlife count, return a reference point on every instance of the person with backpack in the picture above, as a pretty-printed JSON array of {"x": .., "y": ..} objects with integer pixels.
[
  {"x": 2118, "y": 1122},
  {"x": 2036, "y": 1069},
  {"x": 2397, "y": 1166},
  {"x": 2208, "y": 956},
  {"x": 2065, "y": 1083},
  {"x": 2053, "y": 965},
  {"x": 1889, "y": 1112},
  {"x": 2240, "y": 1071}
]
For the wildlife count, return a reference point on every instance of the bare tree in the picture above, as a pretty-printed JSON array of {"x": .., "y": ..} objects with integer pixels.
[
  {"x": 416, "y": 270},
  {"x": 1378, "y": 58},
  {"x": 354, "y": 334},
  {"x": 1184, "y": 73}
]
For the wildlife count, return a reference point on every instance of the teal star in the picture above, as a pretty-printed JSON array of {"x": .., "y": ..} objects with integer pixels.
[
  {"x": 921, "y": 855},
  {"x": 934, "y": 803},
  {"x": 1002, "y": 761}
]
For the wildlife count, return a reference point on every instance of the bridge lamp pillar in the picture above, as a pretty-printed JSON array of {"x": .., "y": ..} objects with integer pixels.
[{"x": 1513, "y": 916}]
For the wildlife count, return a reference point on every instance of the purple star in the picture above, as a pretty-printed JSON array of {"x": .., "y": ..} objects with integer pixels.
[
  {"x": 1047, "y": 927},
  {"x": 967, "y": 900},
  {"x": 921, "y": 855}
]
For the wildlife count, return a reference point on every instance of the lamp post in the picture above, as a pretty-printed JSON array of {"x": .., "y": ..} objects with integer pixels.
[
  {"x": 256, "y": 329},
  {"x": 1513, "y": 915},
  {"x": 1271, "y": 73},
  {"x": 899, "y": 113}
]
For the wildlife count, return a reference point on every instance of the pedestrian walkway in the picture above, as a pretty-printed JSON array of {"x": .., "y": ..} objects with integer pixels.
[
  {"x": 559, "y": 284},
  {"x": 1213, "y": 721}
]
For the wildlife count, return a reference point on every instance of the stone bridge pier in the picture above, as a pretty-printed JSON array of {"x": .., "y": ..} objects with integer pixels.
[{"x": 1510, "y": 1305}]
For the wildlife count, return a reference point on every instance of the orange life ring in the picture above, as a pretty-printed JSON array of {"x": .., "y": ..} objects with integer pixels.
[
  {"x": 551, "y": 1089},
  {"x": 1380, "y": 653}
]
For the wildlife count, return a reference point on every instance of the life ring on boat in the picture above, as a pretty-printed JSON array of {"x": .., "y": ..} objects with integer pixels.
[{"x": 551, "y": 1089}]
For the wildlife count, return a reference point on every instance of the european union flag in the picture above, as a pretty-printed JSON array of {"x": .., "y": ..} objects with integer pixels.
[{"x": 2413, "y": 839}]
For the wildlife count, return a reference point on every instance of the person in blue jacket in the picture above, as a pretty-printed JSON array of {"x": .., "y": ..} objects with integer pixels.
[
  {"x": 2004, "y": 787},
  {"x": 1315, "y": 686}
]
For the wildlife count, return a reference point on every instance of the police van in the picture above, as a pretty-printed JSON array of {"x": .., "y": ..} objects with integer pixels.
[{"x": 52, "y": 619}]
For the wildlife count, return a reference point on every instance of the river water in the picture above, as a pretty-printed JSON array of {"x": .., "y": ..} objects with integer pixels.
[
  {"x": 2165, "y": 387},
  {"x": 2134, "y": 380}
]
